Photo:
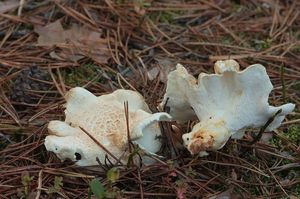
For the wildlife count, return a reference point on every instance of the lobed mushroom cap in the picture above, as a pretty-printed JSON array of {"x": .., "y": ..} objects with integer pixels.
[
  {"x": 237, "y": 98},
  {"x": 176, "y": 98},
  {"x": 104, "y": 118}
]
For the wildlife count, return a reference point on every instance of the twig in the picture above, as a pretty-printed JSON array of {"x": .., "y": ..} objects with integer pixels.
[
  {"x": 127, "y": 126},
  {"x": 262, "y": 130},
  {"x": 101, "y": 146},
  {"x": 22, "y": 2},
  {"x": 39, "y": 188}
]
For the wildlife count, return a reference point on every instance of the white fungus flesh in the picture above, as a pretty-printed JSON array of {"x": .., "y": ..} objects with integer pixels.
[
  {"x": 104, "y": 119},
  {"x": 226, "y": 103}
]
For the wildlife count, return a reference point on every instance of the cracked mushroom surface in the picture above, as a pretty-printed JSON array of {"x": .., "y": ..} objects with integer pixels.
[
  {"x": 226, "y": 103},
  {"x": 104, "y": 118}
]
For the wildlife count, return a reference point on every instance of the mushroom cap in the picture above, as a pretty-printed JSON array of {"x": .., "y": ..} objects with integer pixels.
[
  {"x": 104, "y": 118},
  {"x": 226, "y": 65},
  {"x": 176, "y": 97},
  {"x": 237, "y": 98},
  {"x": 206, "y": 136}
]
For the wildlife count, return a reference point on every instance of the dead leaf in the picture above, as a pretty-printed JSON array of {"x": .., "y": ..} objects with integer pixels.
[
  {"x": 51, "y": 34},
  {"x": 233, "y": 174},
  {"x": 153, "y": 73},
  {"x": 8, "y": 5},
  {"x": 89, "y": 43},
  {"x": 74, "y": 43},
  {"x": 285, "y": 182},
  {"x": 63, "y": 56},
  {"x": 229, "y": 194},
  {"x": 162, "y": 69},
  {"x": 266, "y": 137},
  {"x": 138, "y": 7}
]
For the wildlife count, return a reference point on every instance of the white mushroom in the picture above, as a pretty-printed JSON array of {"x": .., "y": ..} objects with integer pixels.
[
  {"x": 104, "y": 118},
  {"x": 225, "y": 103}
]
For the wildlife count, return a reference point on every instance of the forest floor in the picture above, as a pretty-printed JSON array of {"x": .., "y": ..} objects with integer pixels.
[{"x": 48, "y": 47}]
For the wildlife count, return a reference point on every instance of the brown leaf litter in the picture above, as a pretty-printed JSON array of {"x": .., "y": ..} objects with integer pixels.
[
  {"x": 74, "y": 43},
  {"x": 6, "y": 6},
  {"x": 105, "y": 45}
]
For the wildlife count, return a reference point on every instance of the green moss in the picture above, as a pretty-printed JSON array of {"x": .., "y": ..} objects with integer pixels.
[
  {"x": 78, "y": 76},
  {"x": 227, "y": 40},
  {"x": 165, "y": 16},
  {"x": 3, "y": 143},
  {"x": 26, "y": 26},
  {"x": 235, "y": 8},
  {"x": 120, "y": 1},
  {"x": 259, "y": 45},
  {"x": 290, "y": 175},
  {"x": 292, "y": 134},
  {"x": 26, "y": 180},
  {"x": 259, "y": 11},
  {"x": 297, "y": 190},
  {"x": 58, "y": 184},
  {"x": 296, "y": 86},
  {"x": 142, "y": 3},
  {"x": 101, "y": 190},
  {"x": 191, "y": 173}
]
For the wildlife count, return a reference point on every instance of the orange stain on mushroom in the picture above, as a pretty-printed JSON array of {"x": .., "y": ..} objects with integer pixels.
[
  {"x": 199, "y": 145},
  {"x": 201, "y": 141}
]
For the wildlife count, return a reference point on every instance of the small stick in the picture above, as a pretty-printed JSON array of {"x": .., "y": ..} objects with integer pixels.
[
  {"x": 21, "y": 4},
  {"x": 38, "y": 193},
  {"x": 166, "y": 108},
  {"x": 262, "y": 130},
  {"x": 100, "y": 145},
  {"x": 127, "y": 125}
]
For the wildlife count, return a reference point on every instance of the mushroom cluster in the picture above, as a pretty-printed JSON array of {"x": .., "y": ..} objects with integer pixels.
[{"x": 225, "y": 103}]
